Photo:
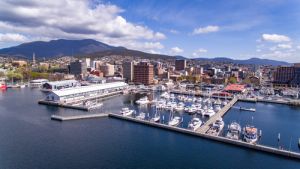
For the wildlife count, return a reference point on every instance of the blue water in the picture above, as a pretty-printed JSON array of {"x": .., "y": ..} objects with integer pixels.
[{"x": 30, "y": 140}]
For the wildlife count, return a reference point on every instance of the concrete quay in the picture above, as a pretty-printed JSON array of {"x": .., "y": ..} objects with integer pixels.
[
  {"x": 262, "y": 148},
  {"x": 78, "y": 117}
]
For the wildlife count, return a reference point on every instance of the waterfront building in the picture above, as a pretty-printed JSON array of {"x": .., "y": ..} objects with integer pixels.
[
  {"x": 235, "y": 88},
  {"x": 128, "y": 71},
  {"x": 58, "y": 85},
  {"x": 180, "y": 64},
  {"x": 78, "y": 69},
  {"x": 107, "y": 69},
  {"x": 85, "y": 92},
  {"x": 143, "y": 73}
]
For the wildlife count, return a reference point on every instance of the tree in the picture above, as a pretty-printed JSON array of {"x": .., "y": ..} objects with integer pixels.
[{"x": 232, "y": 80}]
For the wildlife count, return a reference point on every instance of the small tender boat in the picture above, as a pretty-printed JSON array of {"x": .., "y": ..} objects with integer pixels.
[
  {"x": 194, "y": 124},
  {"x": 126, "y": 111},
  {"x": 250, "y": 134}
]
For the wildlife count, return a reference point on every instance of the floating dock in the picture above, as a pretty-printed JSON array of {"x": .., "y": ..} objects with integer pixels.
[
  {"x": 203, "y": 129},
  {"x": 78, "y": 117},
  {"x": 258, "y": 147}
]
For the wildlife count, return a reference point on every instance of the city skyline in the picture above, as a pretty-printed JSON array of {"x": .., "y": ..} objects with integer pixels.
[{"x": 239, "y": 30}]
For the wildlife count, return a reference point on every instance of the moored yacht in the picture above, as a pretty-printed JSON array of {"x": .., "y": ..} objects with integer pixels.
[
  {"x": 175, "y": 121},
  {"x": 217, "y": 108},
  {"x": 210, "y": 112},
  {"x": 250, "y": 134},
  {"x": 234, "y": 130},
  {"x": 194, "y": 124},
  {"x": 141, "y": 116},
  {"x": 126, "y": 111},
  {"x": 179, "y": 107},
  {"x": 191, "y": 109}
]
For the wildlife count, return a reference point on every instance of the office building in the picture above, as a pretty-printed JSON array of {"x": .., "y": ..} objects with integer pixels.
[
  {"x": 78, "y": 69},
  {"x": 128, "y": 72},
  {"x": 143, "y": 73},
  {"x": 180, "y": 64}
]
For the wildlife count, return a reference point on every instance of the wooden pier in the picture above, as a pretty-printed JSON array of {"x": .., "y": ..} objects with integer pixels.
[
  {"x": 257, "y": 147},
  {"x": 78, "y": 117},
  {"x": 203, "y": 129}
]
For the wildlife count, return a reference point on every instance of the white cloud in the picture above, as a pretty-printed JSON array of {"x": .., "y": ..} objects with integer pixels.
[
  {"x": 72, "y": 19},
  {"x": 284, "y": 46},
  {"x": 207, "y": 29},
  {"x": 12, "y": 37},
  {"x": 275, "y": 38},
  {"x": 176, "y": 50},
  {"x": 174, "y": 31},
  {"x": 198, "y": 52}
]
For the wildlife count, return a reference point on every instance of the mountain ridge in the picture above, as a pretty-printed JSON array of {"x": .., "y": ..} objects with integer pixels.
[{"x": 90, "y": 47}]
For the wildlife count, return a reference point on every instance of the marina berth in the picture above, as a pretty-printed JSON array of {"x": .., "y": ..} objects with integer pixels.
[{"x": 85, "y": 92}]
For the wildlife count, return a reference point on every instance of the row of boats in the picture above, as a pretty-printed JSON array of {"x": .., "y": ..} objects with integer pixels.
[
  {"x": 174, "y": 121},
  {"x": 249, "y": 133}
]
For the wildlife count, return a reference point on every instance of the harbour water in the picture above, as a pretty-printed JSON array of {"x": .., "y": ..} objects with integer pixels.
[{"x": 29, "y": 139}]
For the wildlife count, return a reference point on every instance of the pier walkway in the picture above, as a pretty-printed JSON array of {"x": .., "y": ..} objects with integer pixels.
[
  {"x": 257, "y": 147},
  {"x": 78, "y": 117},
  {"x": 203, "y": 129}
]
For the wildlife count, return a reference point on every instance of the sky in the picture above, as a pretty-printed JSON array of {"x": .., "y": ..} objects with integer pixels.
[{"x": 237, "y": 29}]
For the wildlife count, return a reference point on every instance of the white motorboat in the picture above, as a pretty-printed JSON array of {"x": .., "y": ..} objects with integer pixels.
[
  {"x": 219, "y": 124},
  {"x": 179, "y": 107},
  {"x": 217, "y": 108},
  {"x": 141, "y": 116},
  {"x": 218, "y": 102},
  {"x": 171, "y": 105},
  {"x": 234, "y": 130},
  {"x": 172, "y": 96},
  {"x": 198, "y": 106},
  {"x": 165, "y": 95},
  {"x": 126, "y": 111},
  {"x": 175, "y": 121},
  {"x": 250, "y": 134},
  {"x": 205, "y": 107},
  {"x": 143, "y": 100},
  {"x": 224, "y": 103},
  {"x": 190, "y": 99},
  {"x": 194, "y": 124},
  {"x": 210, "y": 113},
  {"x": 205, "y": 100},
  {"x": 192, "y": 109}
]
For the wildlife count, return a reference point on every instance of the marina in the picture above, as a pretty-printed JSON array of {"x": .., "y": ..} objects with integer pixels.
[{"x": 105, "y": 132}]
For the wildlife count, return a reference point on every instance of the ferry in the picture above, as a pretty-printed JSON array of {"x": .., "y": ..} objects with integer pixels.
[
  {"x": 126, "y": 111},
  {"x": 194, "y": 124},
  {"x": 37, "y": 83},
  {"x": 250, "y": 134},
  {"x": 234, "y": 130}
]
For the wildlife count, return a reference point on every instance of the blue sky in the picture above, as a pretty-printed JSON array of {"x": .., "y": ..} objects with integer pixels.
[{"x": 195, "y": 28}]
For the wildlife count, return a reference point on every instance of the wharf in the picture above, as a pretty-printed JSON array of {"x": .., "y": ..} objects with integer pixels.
[
  {"x": 258, "y": 147},
  {"x": 78, "y": 117},
  {"x": 203, "y": 129},
  {"x": 69, "y": 104}
]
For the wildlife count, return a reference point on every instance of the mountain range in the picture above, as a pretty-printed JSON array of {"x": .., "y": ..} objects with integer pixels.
[{"x": 93, "y": 48}]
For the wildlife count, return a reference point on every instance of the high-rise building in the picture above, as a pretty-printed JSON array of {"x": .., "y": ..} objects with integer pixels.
[
  {"x": 287, "y": 76},
  {"x": 107, "y": 69},
  {"x": 143, "y": 73},
  {"x": 128, "y": 72},
  {"x": 180, "y": 64},
  {"x": 78, "y": 69}
]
